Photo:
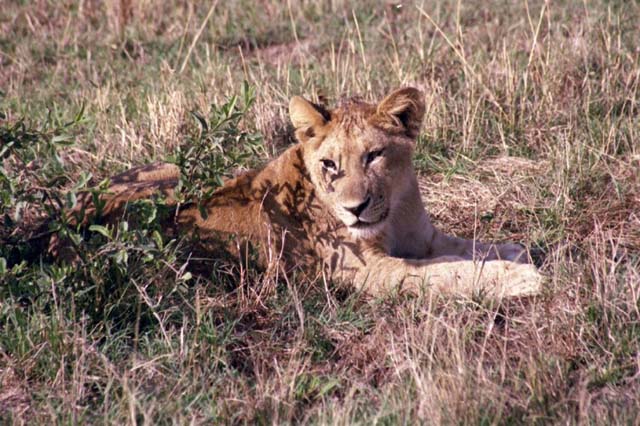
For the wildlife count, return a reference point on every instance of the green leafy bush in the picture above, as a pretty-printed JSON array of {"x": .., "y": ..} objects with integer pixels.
[
  {"x": 121, "y": 274},
  {"x": 217, "y": 147}
]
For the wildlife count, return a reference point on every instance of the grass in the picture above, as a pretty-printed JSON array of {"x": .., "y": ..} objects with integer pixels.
[{"x": 531, "y": 135}]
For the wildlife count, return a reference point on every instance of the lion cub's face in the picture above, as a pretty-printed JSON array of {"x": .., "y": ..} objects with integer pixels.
[{"x": 359, "y": 155}]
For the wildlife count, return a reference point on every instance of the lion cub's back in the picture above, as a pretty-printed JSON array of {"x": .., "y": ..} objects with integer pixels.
[
  {"x": 142, "y": 182},
  {"x": 154, "y": 172}
]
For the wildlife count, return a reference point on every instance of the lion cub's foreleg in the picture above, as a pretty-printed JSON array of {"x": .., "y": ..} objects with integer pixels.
[
  {"x": 445, "y": 275},
  {"x": 447, "y": 245}
]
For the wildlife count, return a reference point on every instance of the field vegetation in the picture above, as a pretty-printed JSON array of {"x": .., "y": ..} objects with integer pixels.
[{"x": 532, "y": 134}]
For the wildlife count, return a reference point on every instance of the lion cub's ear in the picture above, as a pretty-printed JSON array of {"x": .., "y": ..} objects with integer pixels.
[
  {"x": 306, "y": 117},
  {"x": 402, "y": 111}
]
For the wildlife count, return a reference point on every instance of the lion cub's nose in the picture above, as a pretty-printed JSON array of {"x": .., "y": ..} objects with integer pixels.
[{"x": 356, "y": 211}]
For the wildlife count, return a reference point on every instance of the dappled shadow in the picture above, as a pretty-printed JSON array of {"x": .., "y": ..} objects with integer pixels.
[{"x": 277, "y": 210}]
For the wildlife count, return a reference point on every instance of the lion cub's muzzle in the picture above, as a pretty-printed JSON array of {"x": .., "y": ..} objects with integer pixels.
[{"x": 371, "y": 211}]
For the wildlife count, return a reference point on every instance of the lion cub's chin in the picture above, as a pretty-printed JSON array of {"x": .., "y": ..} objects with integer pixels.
[{"x": 367, "y": 231}]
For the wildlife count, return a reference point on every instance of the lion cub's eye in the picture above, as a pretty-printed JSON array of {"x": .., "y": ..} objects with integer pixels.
[
  {"x": 373, "y": 155},
  {"x": 329, "y": 165}
]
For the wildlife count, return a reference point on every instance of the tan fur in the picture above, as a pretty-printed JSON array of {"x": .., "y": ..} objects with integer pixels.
[{"x": 346, "y": 199}]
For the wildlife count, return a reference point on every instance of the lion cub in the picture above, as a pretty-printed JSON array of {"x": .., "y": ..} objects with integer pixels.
[{"x": 346, "y": 199}]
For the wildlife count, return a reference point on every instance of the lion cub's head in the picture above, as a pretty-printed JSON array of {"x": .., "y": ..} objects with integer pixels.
[{"x": 359, "y": 155}]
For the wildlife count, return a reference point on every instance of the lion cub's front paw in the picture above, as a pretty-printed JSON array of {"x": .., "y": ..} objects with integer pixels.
[{"x": 519, "y": 280}]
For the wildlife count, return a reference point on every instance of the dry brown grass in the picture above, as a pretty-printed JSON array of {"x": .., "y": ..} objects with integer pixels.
[{"x": 531, "y": 134}]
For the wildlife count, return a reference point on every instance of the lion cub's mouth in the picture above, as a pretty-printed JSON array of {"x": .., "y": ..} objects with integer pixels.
[{"x": 362, "y": 225}]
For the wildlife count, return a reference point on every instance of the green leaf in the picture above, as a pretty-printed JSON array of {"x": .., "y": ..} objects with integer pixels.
[
  {"x": 72, "y": 200},
  {"x": 82, "y": 181},
  {"x": 78, "y": 116},
  {"x": 202, "y": 121},
  {"x": 153, "y": 213},
  {"x": 157, "y": 238},
  {"x": 74, "y": 237},
  {"x": 203, "y": 212},
  {"x": 122, "y": 257},
  {"x": 330, "y": 385},
  {"x": 62, "y": 140},
  {"x": 102, "y": 230}
]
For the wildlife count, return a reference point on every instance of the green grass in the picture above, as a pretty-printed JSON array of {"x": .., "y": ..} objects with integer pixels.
[{"x": 531, "y": 135}]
